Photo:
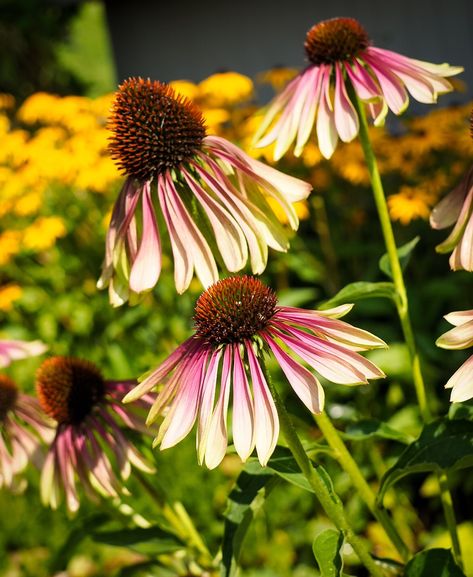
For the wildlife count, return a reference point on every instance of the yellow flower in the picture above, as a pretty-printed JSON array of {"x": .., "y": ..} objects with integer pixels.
[
  {"x": 42, "y": 234},
  {"x": 226, "y": 89},
  {"x": 214, "y": 118},
  {"x": 301, "y": 208},
  {"x": 10, "y": 244},
  {"x": 277, "y": 77},
  {"x": 8, "y": 294},
  {"x": 410, "y": 203},
  {"x": 28, "y": 203},
  {"x": 186, "y": 88}
]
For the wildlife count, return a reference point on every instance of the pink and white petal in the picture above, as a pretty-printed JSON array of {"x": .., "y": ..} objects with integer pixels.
[
  {"x": 307, "y": 117},
  {"x": 460, "y": 337},
  {"x": 146, "y": 267},
  {"x": 392, "y": 88},
  {"x": 183, "y": 260},
  {"x": 48, "y": 484},
  {"x": 378, "y": 111},
  {"x": 363, "y": 84},
  {"x": 217, "y": 439},
  {"x": 278, "y": 104},
  {"x": 329, "y": 365},
  {"x": 458, "y": 230},
  {"x": 204, "y": 262},
  {"x": 466, "y": 246},
  {"x": 228, "y": 235},
  {"x": 12, "y": 350},
  {"x": 206, "y": 403},
  {"x": 161, "y": 371},
  {"x": 446, "y": 212},
  {"x": 305, "y": 385},
  {"x": 243, "y": 410},
  {"x": 461, "y": 383},
  {"x": 294, "y": 189},
  {"x": 327, "y": 135},
  {"x": 458, "y": 318},
  {"x": 266, "y": 415},
  {"x": 183, "y": 412},
  {"x": 346, "y": 118}
]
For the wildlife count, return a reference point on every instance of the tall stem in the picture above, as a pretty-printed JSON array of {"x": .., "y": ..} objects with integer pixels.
[
  {"x": 402, "y": 304},
  {"x": 449, "y": 514},
  {"x": 329, "y": 501},
  {"x": 396, "y": 270},
  {"x": 350, "y": 466}
]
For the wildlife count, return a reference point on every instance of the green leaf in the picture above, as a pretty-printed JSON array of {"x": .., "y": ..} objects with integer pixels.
[
  {"x": 461, "y": 411},
  {"x": 404, "y": 253},
  {"x": 283, "y": 464},
  {"x": 149, "y": 541},
  {"x": 326, "y": 547},
  {"x": 443, "y": 445},
  {"x": 361, "y": 290},
  {"x": 81, "y": 529},
  {"x": 373, "y": 429},
  {"x": 433, "y": 563},
  {"x": 247, "y": 497}
]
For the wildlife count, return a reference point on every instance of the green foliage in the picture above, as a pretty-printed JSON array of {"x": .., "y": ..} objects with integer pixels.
[
  {"x": 327, "y": 551},
  {"x": 433, "y": 563}
]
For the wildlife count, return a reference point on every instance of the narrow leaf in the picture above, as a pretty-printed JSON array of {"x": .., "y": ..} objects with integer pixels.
[
  {"x": 373, "y": 429},
  {"x": 326, "y": 547},
  {"x": 247, "y": 497},
  {"x": 433, "y": 563},
  {"x": 361, "y": 290},
  {"x": 443, "y": 445},
  {"x": 149, "y": 541},
  {"x": 404, "y": 253}
]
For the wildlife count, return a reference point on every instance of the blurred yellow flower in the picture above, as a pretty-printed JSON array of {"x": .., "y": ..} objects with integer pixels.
[
  {"x": 8, "y": 295},
  {"x": 277, "y": 77},
  {"x": 186, "y": 88},
  {"x": 411, "y": 203},
  {"x": 42, "y": 233},
  {"x": 10, "y": 244},
  {"x": 225, "y": 89},
  {"x": 301, "y": 208}
]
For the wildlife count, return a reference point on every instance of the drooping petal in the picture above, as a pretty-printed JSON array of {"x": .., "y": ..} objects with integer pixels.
[
  {"x": 346, "y": 118},
  {"x": 458, "y": 318},
  {"x": 305, "y": 385},
  {"x": 327, "y": 135},
  {"x": 243, "y": 410},
  {"x": 146, "y": 267},
  {"x": 217, "y": 438},
  {"x": 206, "y": 404},
  {"x": 307, "y": 118},
  {"x": 266, "y": 416},
  {"x": 461, "y": 383},
  {"x": 460, "y": 337},
  {"x": 12, "y": 350}
]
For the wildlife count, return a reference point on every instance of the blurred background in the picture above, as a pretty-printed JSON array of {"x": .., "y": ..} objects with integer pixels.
[{"x": 61, "y": 61}]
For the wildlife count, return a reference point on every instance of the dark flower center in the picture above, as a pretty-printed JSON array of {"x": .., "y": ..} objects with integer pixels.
[
  {"x": 234, "y": 309},
  {"x": 154, "y": 129},
  {"x": 335, "y": 40},
  {"x": 69, "y": 388},
  {"x": 8, "y": 396}
]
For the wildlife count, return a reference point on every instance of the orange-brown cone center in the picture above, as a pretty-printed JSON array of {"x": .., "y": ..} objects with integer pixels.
[
  {"x": 234, "y": 309},
  {"x": 154, "y": 129},
  {"x": 335, "y": 40},
  {"x": 8, "y": 396},
  {"x": 69, "y": 388}
]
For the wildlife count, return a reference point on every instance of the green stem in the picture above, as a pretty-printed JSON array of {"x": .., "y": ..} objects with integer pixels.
[
  {"x": 329, "y": 501},
  {"x": 401, "y": 301},
  {"x": 396, "y": 270},
  {"x": 176, "y": 516},
  {"x": 449, "y": 513},
  {"x": 350, "y": 466}
]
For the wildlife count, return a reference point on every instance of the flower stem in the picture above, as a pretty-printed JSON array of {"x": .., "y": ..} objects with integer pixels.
[
  {"x": 449, "y": 513},
  {"x": 396, "y": 270},
  {"x": 330, "y": 502},
  {"x": 402, "y": 301},
  {"x": 350, "y": 466},
  {"x": 176, "y": 516}
]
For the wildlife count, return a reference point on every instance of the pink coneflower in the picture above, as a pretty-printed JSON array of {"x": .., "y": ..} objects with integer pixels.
[
  {"x": 237, "y": 320},
  {"x": 457, "y": 208},
  {"x": 90, "y": 442},
  {"x": 460, "y": 337},
  {"x": 12, "y": 350},
  {"x": 339, "y": 53},
  {"x": 209, "y": 192},
  {"x": 22, "y": 428}
]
